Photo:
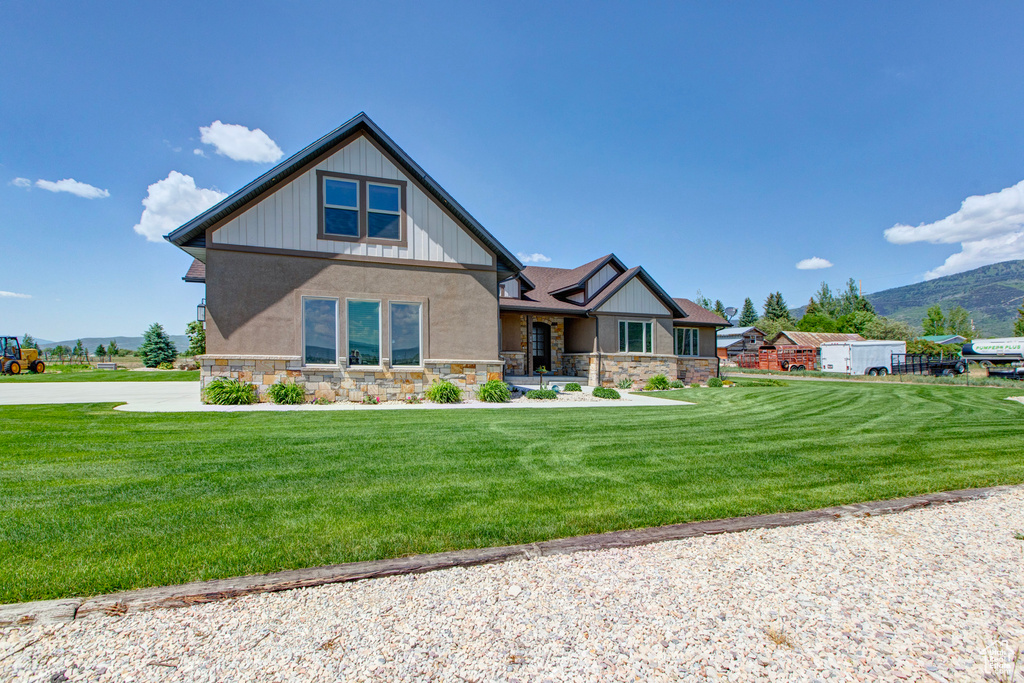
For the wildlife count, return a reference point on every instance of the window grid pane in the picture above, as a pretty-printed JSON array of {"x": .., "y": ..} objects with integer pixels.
[
  {"x": 364, "y": 333},
  {"x": 320, "y": 331},
  {"x": 344, "y": 193},
  {"x": 405, "y": 334},
  {"x": 382, "y": 198},
  {"x": 648, "y": 329}
]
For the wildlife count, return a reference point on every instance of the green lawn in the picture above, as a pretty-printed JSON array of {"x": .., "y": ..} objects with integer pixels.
[
  {"x": 105, "y": 376},
  {"x": 96, "y": 500}
]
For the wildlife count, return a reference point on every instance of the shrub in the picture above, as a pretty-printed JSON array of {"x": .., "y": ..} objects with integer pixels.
[
  {"x": 715, "y": 383},
  {"x": 605, "y": 392},
  {"x": 625, "y": 383},
  {"x": 225, "y": 391},
  {"x": 166, "y": 365},
  {"x": 413, "y": 400},
  {"x": 728, "y": 382},
  {"x": 695, "y": 385},
  {"x": 573, "y": 386},
  {"x": 494, "y": 391},
  {"x": 541, "y": 393},
  {"x": 371, "y": 400},
  {"x": 657, "y": 383},
  {"x": 443, "y": 391},
  {"x": 676, "y": 384},
  {"x": 286, "y": 394}
]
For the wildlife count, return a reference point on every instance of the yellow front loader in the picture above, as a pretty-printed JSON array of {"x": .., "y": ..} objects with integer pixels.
[{"x": 14, "y": 359}]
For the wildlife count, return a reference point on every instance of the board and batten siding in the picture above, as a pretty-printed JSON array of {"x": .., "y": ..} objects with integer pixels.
[
  {"x": 287, "y": 218},
  {"x": 634, "y": 297},
  {"x": 600, "y": 279}
]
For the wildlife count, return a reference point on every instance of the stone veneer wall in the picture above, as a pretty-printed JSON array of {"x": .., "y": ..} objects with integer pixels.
[
  {"x": 347, "y": 384},
  {"x": 618, "y": 366},
  {"x": 515, "y": 362},
  {"x": 695, "y": 369}
]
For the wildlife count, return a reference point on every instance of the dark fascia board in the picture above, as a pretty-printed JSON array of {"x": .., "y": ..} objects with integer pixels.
[
  {"x": 283, "y": 171},
  {"x": 638, "y": 271},
  {"x": 581, "y": 313},
  {"x": 683, "y": 322},
  {"x": 525, "y": 280},
  {"x": 198, "y": 280},
  {"x": 610, "y": 258}
]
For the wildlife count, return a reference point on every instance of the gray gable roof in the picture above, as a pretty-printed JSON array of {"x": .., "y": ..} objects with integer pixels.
[{"x": 195, "y": 228}]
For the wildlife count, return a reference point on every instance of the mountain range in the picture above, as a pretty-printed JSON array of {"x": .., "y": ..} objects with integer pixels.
[{"x": 129, "y": 343}]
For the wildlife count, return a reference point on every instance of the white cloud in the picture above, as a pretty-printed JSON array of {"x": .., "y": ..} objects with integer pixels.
[
  {"x": 13, "y": 295},
  {"x": 813, "y": 263},
  {"x": 239, "y": 143},
  {"x": 533, "y": 258},
  {"x": 21, "y": 182},
  {"x": 198, "y": 152},
  {"x": 171, "y": 202},
  {"x": 989, "y": 228},
  {"x": 74, "y": 187}
]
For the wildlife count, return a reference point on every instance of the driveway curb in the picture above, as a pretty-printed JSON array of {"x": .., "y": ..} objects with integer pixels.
[{"x": 115, "y": 604}]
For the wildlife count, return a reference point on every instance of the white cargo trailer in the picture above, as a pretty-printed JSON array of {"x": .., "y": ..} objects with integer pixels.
[{"x": 872, "y": 357}]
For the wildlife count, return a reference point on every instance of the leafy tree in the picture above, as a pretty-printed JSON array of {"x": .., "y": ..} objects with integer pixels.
[
  {"x": 816, "y": 322},
  {"x": 885, "y": 328},
  {"x": 826, "y": 301},
  {"x": 719, "y": 308},
  {"x": 702, "y": 300},
  {"x": 79, "y": 350},
  {"x": 770, "y": 327},
  {"x": 196, "y": 338},
  {"x": 29, "y": 342},
  {"x": 855, "y": 322},
  {"x": 958, "y": 321},
  {"x": 100, "y": 351},
  {"x": 928, "y": 348},
  {"x": 59, "y": 350},
  {"x": 748, "y": 316},
  {"x": 112, "y": 349},
  {"x": 157, "y": 347},
  {"x": 934, "y": 322},
  {"x": 1018, "y": 325}
]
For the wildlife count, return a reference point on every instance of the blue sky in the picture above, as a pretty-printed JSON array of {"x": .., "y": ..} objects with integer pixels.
[{"x": 716, "y": 144}]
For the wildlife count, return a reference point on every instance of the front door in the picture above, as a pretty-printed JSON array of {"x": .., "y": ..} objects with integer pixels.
[{"x": 541, "y": 346}]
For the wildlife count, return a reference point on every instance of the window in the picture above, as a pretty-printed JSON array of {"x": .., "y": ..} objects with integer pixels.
[
  {"x": 635, "y": 336},
  {"x": 357, "y": 208},
  {"x": 687, "y": 343},
  {"x": 341, "y": 207},
  {"x": 405, "y": 334},
  {"x": 363, "y": 332},
  {"x": 383, "y": 212},
  {"x": 320, "y": 331}
]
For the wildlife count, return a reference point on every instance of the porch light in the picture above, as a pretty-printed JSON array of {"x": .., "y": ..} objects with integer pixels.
[{"x": 201, "y": 311}]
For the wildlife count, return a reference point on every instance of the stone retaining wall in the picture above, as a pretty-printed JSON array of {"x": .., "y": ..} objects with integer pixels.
[
  {"x": 348, "y": 384},
  {"x": 515, "y": 362}
]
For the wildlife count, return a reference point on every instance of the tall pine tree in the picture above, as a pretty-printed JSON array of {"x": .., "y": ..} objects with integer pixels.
[{"x": 748, "y": 316}]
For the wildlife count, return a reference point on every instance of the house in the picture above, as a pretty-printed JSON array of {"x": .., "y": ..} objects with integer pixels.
[
  {"x": 944, "y": 339},
  {"x": 603, "y": 322},
  {"x": 732, "y": 341},
  {"x": 349, "y": 269}
]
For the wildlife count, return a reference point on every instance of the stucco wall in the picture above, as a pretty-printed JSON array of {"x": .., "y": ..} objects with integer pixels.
[
  {"x": 253, "y": 302},
  {"x": 609, "y": 333}
]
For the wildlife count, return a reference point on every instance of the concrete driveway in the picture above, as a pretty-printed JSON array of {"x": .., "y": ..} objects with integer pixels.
[{"x": 183, "y": 397}]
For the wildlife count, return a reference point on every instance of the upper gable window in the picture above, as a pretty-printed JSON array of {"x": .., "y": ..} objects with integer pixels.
[{"x": 355, "y": 208}]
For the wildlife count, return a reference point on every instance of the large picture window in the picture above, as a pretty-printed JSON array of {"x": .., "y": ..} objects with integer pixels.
[
  {"x": 635, "y": 336},
  {"x": 687, "y": 341},
  {"x": 320, "y": 331},
  {"x": 358, "y": 208},
  {"x": 363, "y": 332},
  {"x": 405, "y": 334}
]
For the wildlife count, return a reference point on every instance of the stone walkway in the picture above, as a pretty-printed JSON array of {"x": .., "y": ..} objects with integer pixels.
[
  {"x": 933, "y": 594},
  {"x": 175, "y": 397}
]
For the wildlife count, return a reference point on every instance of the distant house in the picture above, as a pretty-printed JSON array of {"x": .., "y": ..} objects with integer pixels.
[
  {"x": 944, "y": 339},
  {"x": 604, "y": 322},
  {"x": 732, "y": 341}
]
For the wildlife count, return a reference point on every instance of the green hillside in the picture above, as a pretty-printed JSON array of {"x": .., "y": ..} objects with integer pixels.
[{"x": 991, "y": 294}]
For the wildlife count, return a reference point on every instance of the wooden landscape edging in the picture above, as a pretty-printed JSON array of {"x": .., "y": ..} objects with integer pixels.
[{"x": 221, "y": 589}]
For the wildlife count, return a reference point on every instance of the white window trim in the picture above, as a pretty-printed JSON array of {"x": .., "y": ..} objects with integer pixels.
[
  {"x": 391, "y": 341},
  {"x": 337, "y": 335},
  {"x": 648, "y": 325},
  {"x": 694, "y": 335},
  {"x": 380, "y": 333}
]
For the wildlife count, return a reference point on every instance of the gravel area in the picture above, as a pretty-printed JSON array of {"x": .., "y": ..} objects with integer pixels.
[{"x": 935, "y": 594}]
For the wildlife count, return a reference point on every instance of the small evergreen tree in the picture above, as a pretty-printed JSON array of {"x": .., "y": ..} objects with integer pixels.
[
  {"x": 157, "y": 347},
  {"x": 1018, "y": 325},
  {"x": 79, "y": 350},
  {"x": 934, "y": 322},
  {"x": 826, "y": 301},
  {"x": 775, "y": 308},
  {"x": 748, "y": 316},
  {"x": 196, "y": 338},
  {"x": 719, "y": 308},
  {"x": 100, "y": 351}
]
